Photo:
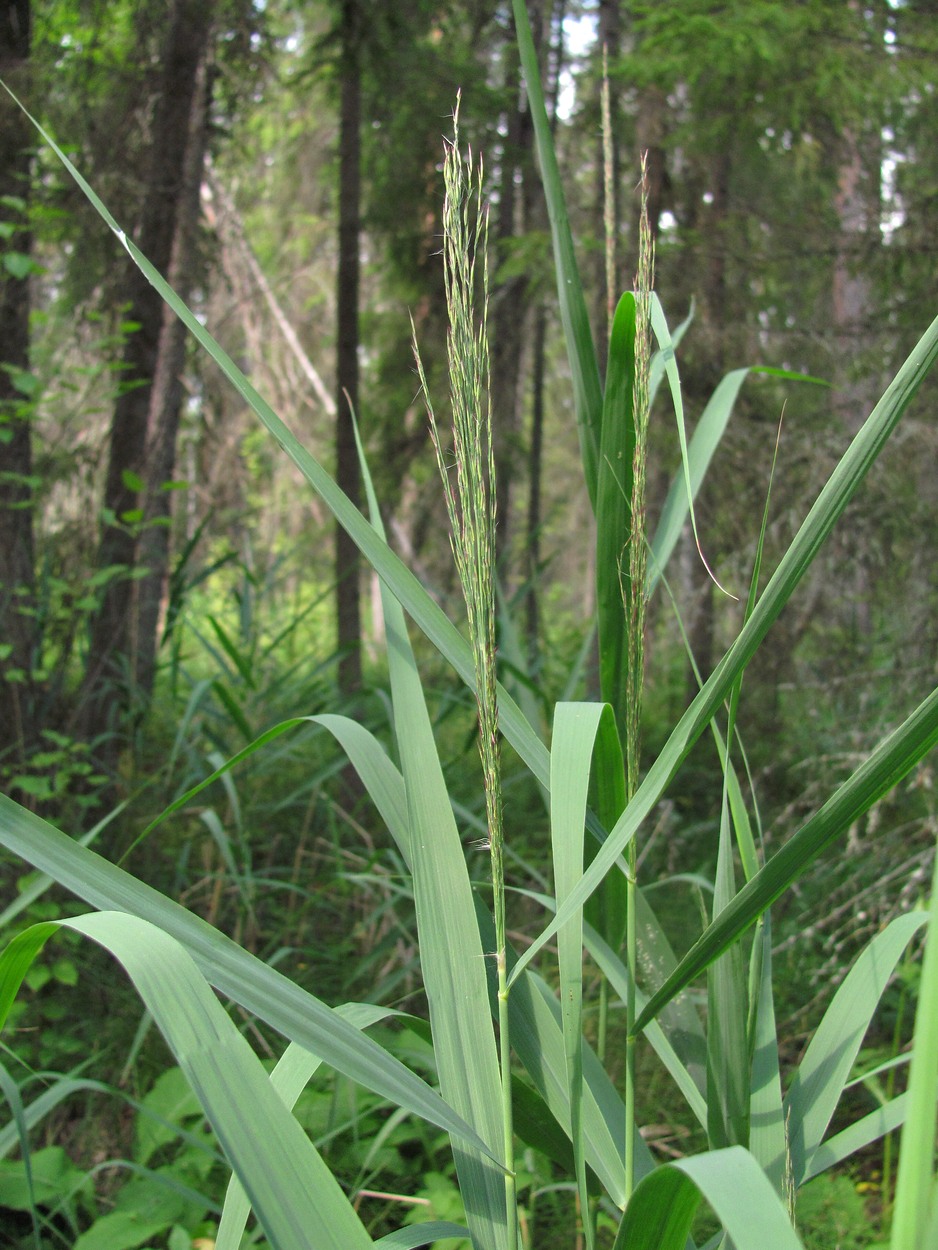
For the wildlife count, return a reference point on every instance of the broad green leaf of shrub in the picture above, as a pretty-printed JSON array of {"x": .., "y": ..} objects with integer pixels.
[{"x": 53, "y": 1176}]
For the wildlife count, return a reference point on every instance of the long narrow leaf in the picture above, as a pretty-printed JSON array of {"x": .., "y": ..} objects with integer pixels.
[
  {"x": 614, "y": 509},
  {"x": 452, "y": 958},
  {"x": 41, "y": 881},
  {"x": 578, "y": 728},
  {"x": 292, "y": 1011},
  {"x": 828, "y": 1061},
  {"x": 918, "y": 734},
  {"x": 670, "y": 1045},
  {"x": 295, "y": 1069},
  {"x": 421, "y": 1235},
  {"x": 537, "y": 1040},
  {"x": 11, "y": 1093},
  {"x": 536, "y": 1031},
  {"x": 451, "y": 955},
  {"x": 916, "y": 1190},
  {"x": 657, "y": 371},
  {"x": 856, "y": 1136},
  {"x": 664, "y": 1043},
  {"x": 730, "y": 1009},
  {"x": 727, "y": 1014},
  {"x": 297, "y": 1200},
  {"x": 662, "y": 1209},
  {"x": 767, "y": 1139},
  {"x": 680, "y": 1020},
  {"x": 700, "y": 451},
  {"x": 684, "y": 488},
  {"x": 34, "y": 1113},
  {"x": 892, "y": 760},
  {"x": 659, "y": 325}
]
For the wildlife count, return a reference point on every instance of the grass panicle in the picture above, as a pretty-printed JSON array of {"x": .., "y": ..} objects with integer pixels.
[
  {"x": 469, "y": 487},
  {"x": 638, "y": 547}
]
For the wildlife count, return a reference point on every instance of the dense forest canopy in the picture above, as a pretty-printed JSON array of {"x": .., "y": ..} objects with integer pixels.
[
  {"x": 170, "y": 587},
  {"x": 791, "y": 186}
]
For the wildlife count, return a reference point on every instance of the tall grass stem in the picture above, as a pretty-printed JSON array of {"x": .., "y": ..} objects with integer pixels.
[{"x": 635, "y": 624}]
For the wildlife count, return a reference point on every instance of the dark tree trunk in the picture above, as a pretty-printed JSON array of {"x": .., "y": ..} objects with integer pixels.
[
  {"x": 520, "y": 204},
  {"x": 651, "y": 128},
  {"x": 347, "y": 563},
  {"x": 536, "y": 213},
  {"x": 856, "y": 387},
  {"x": 715, "y": 274},
  {"x": 167, "y": 398},
  {"x": 109, "y": 692},
  {"x": 17, "y": 623},
  {"x": 609, "y": 38},
  {"x": 509, "y": 300}
]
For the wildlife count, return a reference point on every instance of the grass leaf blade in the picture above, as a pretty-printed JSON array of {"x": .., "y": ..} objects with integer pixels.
[
  {"x": 892, "y": 760},
  {"x": 916, "y": 1210},
  {"x": 297, "y": 1200},
  {"x": 828, "y": 1061},
  {"x": 662, "y": 1208},
  {"x": 614, "y": 509},
  {"x": 292, "y": 1011},
  {"x": 887, "y": 766}
]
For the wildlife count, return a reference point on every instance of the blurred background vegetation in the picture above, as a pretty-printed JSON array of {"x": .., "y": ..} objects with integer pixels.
[{"x": 169, "y": 588}]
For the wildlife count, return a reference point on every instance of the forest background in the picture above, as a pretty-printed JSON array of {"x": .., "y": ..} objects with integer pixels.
[{"x": 170, "y": 589}]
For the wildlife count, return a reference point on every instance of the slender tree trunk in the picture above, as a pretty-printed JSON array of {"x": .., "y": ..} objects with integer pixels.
[
  {"x": 651, "y": 128},
  {"x": 17, "y": 622},
  {"x": 347, "y": 563},
  {"x": 166, "y": 398},
  {"x": 857, "y": 205},
  {"x": 509, "y": 301},
  {"x": 108, "y": 692},
  {"x": 536, "y": 214},
  {"x": 609, "y": 39}
]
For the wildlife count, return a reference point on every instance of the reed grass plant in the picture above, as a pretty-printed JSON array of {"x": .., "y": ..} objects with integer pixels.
[{"x": 512, "y": 1059}]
